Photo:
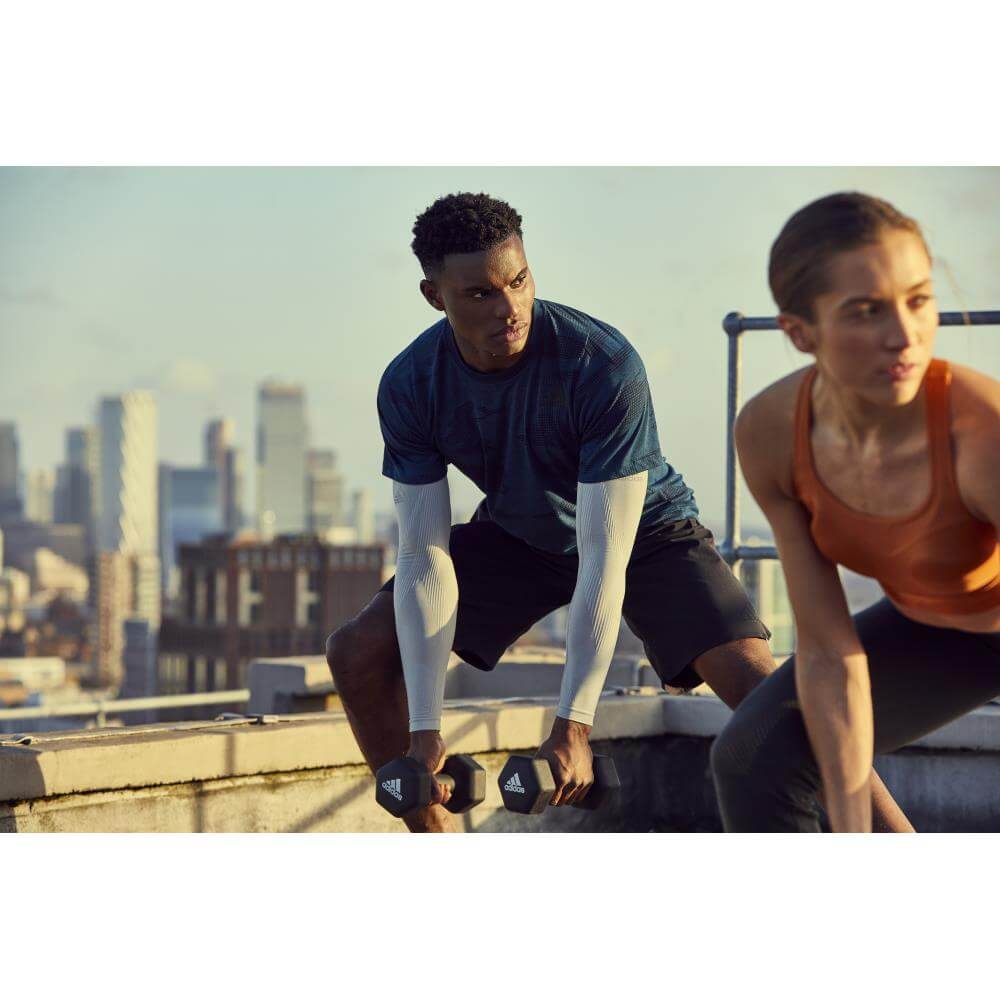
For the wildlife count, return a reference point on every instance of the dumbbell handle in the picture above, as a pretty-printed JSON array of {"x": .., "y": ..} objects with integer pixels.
[
  {"x": 606, "y": 782},
  {"x": 592, "y": 799},
  {"x": 445, "y": 780},
  {"x": 404, "y": 784}
]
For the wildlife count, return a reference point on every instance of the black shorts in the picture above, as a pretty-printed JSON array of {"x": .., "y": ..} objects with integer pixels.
[{"x": 681, "y": 599}]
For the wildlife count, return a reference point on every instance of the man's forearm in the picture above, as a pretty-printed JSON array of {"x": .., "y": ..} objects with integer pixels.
[
  {"x": 425, "y": 598},
  {"x": 591, "y": 635},
  {"x": 607, "y": 520}
]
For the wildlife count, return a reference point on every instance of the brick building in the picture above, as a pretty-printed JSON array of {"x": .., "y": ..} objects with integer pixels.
[{"x": 243, "y": 599}]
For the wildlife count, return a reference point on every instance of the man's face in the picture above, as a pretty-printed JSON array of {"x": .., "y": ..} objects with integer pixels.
[{"x": 487, "y": 297}]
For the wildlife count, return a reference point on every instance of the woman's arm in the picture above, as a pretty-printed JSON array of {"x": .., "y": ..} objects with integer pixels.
[{"x": 831, "y": 668}]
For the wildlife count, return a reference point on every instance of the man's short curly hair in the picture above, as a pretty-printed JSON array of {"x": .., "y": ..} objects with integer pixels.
[{"x": 461, "y": 223}]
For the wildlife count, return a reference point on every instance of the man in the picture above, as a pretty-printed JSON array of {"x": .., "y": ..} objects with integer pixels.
[{"x": 548, "y": 412}]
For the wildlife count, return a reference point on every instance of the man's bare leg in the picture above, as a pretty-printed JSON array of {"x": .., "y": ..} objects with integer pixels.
[
  {"x": 734, "y": 669},
  {"x": 363, "y": 655}
]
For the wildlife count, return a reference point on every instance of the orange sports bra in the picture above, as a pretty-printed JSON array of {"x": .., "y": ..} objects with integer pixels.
[{"x": 939, "y": 558}]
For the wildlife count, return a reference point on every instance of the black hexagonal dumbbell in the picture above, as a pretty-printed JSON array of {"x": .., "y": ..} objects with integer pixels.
[
  {"x": 404, "y": 785},
  {"x": 526, "y": 784}
]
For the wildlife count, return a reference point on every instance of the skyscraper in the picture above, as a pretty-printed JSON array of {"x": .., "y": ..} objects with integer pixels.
[
  {"x": 189, "y": 510},
  {"x": 281, "y": 458},
  {"x": 10, "y": 494},
  {"x": 38, "y": 499},
  {"x": 218, "y": 437},
  {"x": 233, "y": 516},
  {"x": 222, "y": 454},
  {"x": 324, "y": 491},
  {"x": 74, "y": 479},
  {"x": 128, "y": 565}
]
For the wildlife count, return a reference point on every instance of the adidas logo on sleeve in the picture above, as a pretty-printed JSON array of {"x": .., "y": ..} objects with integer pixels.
[
  {"x": 514, "y": 784},
  {"x": 392, "y": 786}
]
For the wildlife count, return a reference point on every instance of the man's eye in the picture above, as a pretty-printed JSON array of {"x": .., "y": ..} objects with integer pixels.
[
  {"x": 517, "y": 282},
  {"x": 866, "y": 310},
  {"x": 919, "y": 301}
]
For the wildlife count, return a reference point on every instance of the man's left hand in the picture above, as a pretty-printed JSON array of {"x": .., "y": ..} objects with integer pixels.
[{"x": 568, "y": 752}]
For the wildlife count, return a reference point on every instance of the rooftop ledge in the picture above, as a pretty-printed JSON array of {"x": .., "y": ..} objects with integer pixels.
[
  {"x": 69, "y": 763},
  {"x": 286, "y": 766}
]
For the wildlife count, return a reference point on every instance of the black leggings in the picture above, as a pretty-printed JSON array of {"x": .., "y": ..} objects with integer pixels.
[{"x": 765, "y": 773}]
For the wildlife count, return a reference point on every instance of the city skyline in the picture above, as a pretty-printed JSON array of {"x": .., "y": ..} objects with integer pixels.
[{"x": 199, "y": 284}]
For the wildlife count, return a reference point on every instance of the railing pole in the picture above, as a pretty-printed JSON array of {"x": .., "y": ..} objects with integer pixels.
[{"x": 733, "y": 325}]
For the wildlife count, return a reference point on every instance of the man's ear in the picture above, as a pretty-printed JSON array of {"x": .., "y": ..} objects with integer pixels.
[
  {"x": 429, "y": 291},
  {"x": 801, "y": 333}
]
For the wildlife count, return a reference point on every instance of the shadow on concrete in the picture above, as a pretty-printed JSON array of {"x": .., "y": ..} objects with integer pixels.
[
  {"x": 666, "y": 787},
  {"x": 488, "y": 719},
  {"x": 20, "y": 770}
]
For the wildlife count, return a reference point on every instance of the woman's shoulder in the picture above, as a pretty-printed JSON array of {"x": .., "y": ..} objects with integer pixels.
[
  {"x": 975, "y": 431},
  {"x": 773, "y": 408},
  {"x": 975, "y": 405},
  {"x": 765, "y": 428},
  {"x": 971, "y": 387}
]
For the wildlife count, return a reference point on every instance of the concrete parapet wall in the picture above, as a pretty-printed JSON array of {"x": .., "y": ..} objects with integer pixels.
[
  {"x": 303, "y": 683},
  {"x": 305, "y": 773}
]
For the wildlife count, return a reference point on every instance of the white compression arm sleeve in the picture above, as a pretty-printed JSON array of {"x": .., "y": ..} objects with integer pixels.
[
  {"x": 425, "y": 597},
  {"x": 607, "y": 519}
]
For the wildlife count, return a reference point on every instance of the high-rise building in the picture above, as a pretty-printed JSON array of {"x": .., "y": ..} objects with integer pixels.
[
  {"x": 282, "y": 436},
  {"x": 114, "y": 599},
  {"x": 222, "y": 454},
  {"x": 74, "y": 478},
  {"x": 128, "y": 575},
  {"x": 189, "y": 510},
  {"x": 128, "y": 511},
  {"x": 324, "y": 491},
  {"x": 218, "y": 437},
  {"x": 10, "y": 472},
  {"x": 233, "y": 517},
  {"x": 39, "y": 495},
  {"x": 363, "y": 517}
]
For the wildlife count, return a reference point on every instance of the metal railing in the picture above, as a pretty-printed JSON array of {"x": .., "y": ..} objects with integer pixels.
[
  {"x": 101, "y": 708},
  {"x": 735, "y": 325}
]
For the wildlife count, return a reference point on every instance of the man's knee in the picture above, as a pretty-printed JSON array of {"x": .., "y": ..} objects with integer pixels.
[{"x": 363, "y": 652}]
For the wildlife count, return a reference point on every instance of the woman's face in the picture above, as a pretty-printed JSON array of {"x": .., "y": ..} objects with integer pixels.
[{"x": 873, "y": 330}]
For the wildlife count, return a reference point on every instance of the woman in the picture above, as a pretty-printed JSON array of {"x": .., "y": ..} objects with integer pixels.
[{"x": 884, "y": 460}]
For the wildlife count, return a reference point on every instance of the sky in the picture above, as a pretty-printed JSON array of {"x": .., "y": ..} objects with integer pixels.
[{"x": 199, "y": 283}]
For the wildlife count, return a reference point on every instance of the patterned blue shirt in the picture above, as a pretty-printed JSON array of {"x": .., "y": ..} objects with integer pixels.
[{"x": 574, "y": 409}]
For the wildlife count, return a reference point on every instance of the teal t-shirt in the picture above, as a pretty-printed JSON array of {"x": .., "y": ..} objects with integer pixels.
[{"x": 575, "y": 409}]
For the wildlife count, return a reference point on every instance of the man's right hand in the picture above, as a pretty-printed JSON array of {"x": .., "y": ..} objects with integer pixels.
[{"x": 427, "y": 747}]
